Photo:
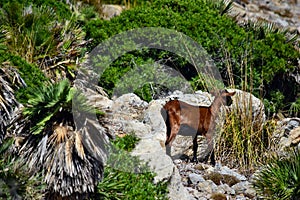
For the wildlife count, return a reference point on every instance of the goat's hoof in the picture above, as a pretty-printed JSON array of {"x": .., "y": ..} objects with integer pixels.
[
  {"x": 213, "y": 163},
  {"x": 194, "y": 160}
]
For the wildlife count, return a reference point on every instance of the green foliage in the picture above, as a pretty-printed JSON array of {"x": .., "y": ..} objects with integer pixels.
[
  {"x": 295, "y": 108},
  {"x": 128, "y": 3},
  {"x": 255, "y": 54},
  {"x": 279, "y": 179},
  {"x": 126, "y": 177},
  {"x": 147, "y": 79},
  {"x": 28, "y": 29},
  {"x": 126, "y": 143},
  {"x": 276, "y": 101},
  {"x": 43, "y": 34},
  {"x": 50, "y": 102},
  {"x": 61, "y": 8},
  {"x": 31, "y": 74}
]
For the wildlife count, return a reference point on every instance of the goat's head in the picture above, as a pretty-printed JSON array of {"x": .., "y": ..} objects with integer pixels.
[{"x": 224, "y": 96}]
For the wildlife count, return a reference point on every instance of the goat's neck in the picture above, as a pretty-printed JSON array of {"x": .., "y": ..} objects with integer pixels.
[{"x": 215, "y": 107}]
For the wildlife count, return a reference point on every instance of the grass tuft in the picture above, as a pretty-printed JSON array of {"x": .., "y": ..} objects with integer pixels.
[{"x": 280, "y": 178}]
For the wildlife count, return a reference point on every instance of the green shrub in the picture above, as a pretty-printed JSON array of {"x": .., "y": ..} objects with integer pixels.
[
  {"x": 280, "y": 178},
  {"x": 253, "y": 53},
  {"x": 126, "y": 177}
]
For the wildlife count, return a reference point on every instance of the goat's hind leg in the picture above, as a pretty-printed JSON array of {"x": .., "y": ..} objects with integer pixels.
[
  {"x": 195, "y": 149},
  {"x": 171, "y": 138}
]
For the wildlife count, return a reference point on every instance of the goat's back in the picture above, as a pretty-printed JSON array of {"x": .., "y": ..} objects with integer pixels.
[{"x": 196, "y": 117}]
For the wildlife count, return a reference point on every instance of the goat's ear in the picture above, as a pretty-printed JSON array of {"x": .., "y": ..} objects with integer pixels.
[{"x": 231, "y": 93}]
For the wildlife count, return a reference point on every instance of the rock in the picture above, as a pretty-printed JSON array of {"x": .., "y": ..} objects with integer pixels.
[
  {"x": 287, "y": 133},
  {"x": 207, "y": 187},
  {"x": 219, "y": 178},
  {"x": 96, "y": 96},
  {"x": 155, "y": 120},
  {"x": 241, "y": 187},
  {"x": 140, "y": 129},
  {"x": 241, "y": 197},
  {"x": 196, "y": 178},
  {"x": 295, "y": 136},
  {"x": 250, "y": 106},
  {"x": 252, "y": 7},
  {"x": 250, "y": 192},
  {"x": 227, "y": 189},
  {"x": 109, "y": 11},
  {"x": 177, "y": 161},
  {"x": 128, "y": 107},
  {"x": 198, "y": 195},
  {"x": 176, "y": 189},
  {"x": 290, "y": 124},
  {"x": 226, "y": 171},
  {"x": 151, "y": 152}
]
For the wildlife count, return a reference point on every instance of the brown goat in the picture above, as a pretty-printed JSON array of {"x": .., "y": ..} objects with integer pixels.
[{"x": 200, "y": 118}]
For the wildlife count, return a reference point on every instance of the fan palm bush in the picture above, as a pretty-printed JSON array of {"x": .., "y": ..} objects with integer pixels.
[
  {"x": 15, "y": 181},
  {"x": 70, "y": 155},
  {"x": 280, "y": 179}
]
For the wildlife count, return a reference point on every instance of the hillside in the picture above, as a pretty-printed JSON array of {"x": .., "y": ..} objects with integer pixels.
[{"x": 83, "y": 83}]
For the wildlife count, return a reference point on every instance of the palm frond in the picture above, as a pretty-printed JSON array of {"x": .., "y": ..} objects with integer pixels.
[
  {"x": 79, "y": 145},
  {"x": 10, "y": 81}
]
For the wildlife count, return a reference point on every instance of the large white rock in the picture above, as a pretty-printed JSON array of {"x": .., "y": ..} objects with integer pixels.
[{"x": 150, "y": 151}]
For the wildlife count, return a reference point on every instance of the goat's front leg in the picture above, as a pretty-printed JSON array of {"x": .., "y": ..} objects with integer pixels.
[
  {"x": 195, "y": 149},
  {"x": 209, "y": 151}
]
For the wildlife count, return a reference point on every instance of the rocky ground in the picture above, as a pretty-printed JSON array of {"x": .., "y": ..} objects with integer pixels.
[
  {"x": 283, "y": 13},
  {"x": 129, "y": 114}
]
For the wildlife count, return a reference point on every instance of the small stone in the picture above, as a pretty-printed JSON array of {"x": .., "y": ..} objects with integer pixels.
[
  {"x": 196, "y": 178},
  {"x": 227, "y": 189},
  {"x": 295, "y": 135},
  {"x": 207, "y": 186},
  {"x": 177, "y": 161},
  {"x": 218, "y": 196},
  {"x": 241, "y": 187},
  {"x": 250, "y": 193},
  {"x": 201, "y": 166},
  {"x": 226, "y": 170}
]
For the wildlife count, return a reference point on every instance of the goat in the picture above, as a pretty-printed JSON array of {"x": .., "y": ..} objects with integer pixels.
[{"x": 200, "y": 118}]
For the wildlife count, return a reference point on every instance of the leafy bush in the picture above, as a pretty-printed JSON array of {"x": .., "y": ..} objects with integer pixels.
[
  {"x": 126, "y": 177},
  {"x": 252, "y": 53},
  {"x": 280, "y": 178}
]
